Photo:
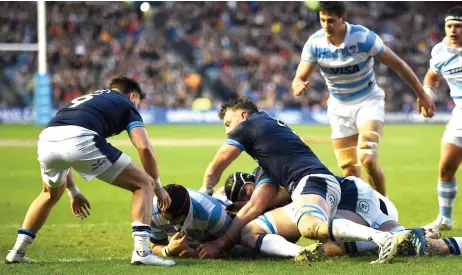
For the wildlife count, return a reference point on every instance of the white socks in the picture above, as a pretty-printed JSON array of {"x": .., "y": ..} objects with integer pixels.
[
  {"x": 275, "y": 245},
  {"x": 345, "y": 230},
  {"x": 141, "y": 234},
  {"x": 22, "y": 242}
]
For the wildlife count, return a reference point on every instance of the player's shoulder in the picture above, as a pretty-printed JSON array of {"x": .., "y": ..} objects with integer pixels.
[
  {"x": 358, "y": 29},
  {"x": 317, "y": 38},
  {"x": 439, "y": 50}
]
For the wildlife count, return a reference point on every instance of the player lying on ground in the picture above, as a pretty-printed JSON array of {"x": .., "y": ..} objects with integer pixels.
[
  {"x": 446, "y": 62},
  {"x": 192, "y": 218},
  {"x": 345, "y": 54},
  {"x": 275, "y": 233},
  {"x": 76, "y": 138},
  {"x": 314, "y": 190}
]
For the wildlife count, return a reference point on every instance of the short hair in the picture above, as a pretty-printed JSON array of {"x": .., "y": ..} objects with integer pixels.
[
  {"x": 244, "y": 103},
  {"x": 180, "y": 200},
  {"x": 332, "y": 7},
  {"x": 126, "y": 85},
  {"x": 454, "y": 11}
]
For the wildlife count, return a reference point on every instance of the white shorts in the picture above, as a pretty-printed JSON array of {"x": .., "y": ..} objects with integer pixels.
[
  {"x": 63, "y": 147},
  {"x": 453, "y": 132},
  {"x": 388, "y": 208},
  {"x": 346, "y": 117}
]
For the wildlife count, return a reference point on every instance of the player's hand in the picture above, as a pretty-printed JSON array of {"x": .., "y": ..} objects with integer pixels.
[
  {"x": 80, "y": 206},
  {"x": 300, "y": 86},
  {"x": 163, "y": 199},
  {"x": 426, "y": 106},
  {"x": 206, "y": 190},
  {"x": 189, "y": 253},
  {"x": 209, "y": 250},
  {"x": 178, "y": 243}
]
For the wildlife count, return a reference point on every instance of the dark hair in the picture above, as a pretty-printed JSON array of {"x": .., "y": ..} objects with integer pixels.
[
  {"x": 332, "y": 7},
  {"x": 180, "y": 200},
  {"x": 126, "y": 85},
  {"x": 234, "y": 184},
  {"x": 454, "y": 11},
  {"x": 243, "y": 103}
]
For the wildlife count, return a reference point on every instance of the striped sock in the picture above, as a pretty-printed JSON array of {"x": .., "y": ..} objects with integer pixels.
[
  {"x": 447, "y": 192},
  {"x": 454, "y": 244},
  {"x": 141, "y": 234}
]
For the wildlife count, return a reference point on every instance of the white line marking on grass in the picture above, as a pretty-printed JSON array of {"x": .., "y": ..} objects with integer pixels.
[
  {"x": 156, "y": 142},
  {"x": 73, "y": 225}
]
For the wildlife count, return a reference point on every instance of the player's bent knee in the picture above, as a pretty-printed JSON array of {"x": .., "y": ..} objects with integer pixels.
[
  {"x": 313, "y": 228},
  {"x": 368, "y": 161},
  {"x": 347, "y": 158},
  {"x": 447, "y": 171},
  {"x": 368, "y": 148},
  {"x": 133, "y": 178},
  {"x": 311, "y": 221},
  {"x": 54, "y": 194}
]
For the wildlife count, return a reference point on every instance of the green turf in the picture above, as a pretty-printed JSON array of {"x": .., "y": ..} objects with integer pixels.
[{"x": 102, "y": 243}]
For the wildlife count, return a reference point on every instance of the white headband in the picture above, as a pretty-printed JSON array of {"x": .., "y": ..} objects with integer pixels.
[{"x": 453, "y": 19}]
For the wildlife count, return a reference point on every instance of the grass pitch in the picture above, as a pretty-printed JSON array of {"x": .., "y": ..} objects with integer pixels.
[{"x": 102, "y": 244}]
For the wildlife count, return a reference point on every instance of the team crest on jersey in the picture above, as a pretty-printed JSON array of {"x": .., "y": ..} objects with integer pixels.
[{"x": 353, "y": 49}]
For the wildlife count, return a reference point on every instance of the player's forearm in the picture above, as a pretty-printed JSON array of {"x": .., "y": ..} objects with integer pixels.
[
  {"x": 71, "y": 186},
  {"x": 211, "y": 177},
  {"x": 431, "y": 80},
  {"x": 157, "y": 249},
  {"x": 247, "y": 214},
  {"x": 149, "y": 162}
]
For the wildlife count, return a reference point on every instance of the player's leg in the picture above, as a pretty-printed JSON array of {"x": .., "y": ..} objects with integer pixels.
[
  {"x": 273, "y": 234},
  {"x": 345, "y": 149},
  {"x": 316, "y": 198},
  {"x": 446, "y": 246},
  {"x": 451, "y": 157},
  {"x": 95, "y": 157},
  {"x": 344, "y": 136},
  {"x": 370, "y": 132},
  {"x": 369, "y": 120},
  {"x": 133, "y": 178},
  {"x": 54, "y": 173}
]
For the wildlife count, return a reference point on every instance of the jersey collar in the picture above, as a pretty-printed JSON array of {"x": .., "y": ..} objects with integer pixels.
[
  {"x": 451, "y": 49},
  {"x": 334, "y": 48}
]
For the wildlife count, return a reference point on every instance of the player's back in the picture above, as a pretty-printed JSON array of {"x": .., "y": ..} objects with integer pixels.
[
  {"x": 278, "y": 150},
  {"x": 106, "y": 112}
]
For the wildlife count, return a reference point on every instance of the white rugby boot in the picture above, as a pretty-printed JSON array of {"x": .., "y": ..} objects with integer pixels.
[
  {"x": 388, "y": 246},
  {"x": 15, "y": 256},
  {"x": 148, "y": 258},
  {"x": 441, "y": 224}
]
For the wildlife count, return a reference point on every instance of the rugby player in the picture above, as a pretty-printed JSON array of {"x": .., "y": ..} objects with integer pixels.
[
  {"x": 275, "y": 233},
  {"x": 192, "y": 218},
  {"x": 446, "y": 62},
  {"x": 76, "y": 138},
  {"x": 289, "y": 161},
  {"x": 345, "y": 54}
]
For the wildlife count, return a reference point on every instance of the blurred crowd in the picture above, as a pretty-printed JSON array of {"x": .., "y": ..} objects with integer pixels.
[{"x": 251, "y": 47}]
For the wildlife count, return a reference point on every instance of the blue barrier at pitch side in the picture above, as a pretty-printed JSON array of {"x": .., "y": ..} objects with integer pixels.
[{"x": 187, "y": 116}]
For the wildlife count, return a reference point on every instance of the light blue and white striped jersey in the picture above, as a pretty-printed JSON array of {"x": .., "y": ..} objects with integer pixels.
[
  {"x": 447, "y": 62},
  {"x": 207, "y": 219},
  {"x": 349, "y": 68}
]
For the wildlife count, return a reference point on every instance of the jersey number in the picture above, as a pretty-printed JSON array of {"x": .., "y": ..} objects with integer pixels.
[
  {"x": 79, "y": 100},
  {"x": 280, "y": 123}
]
